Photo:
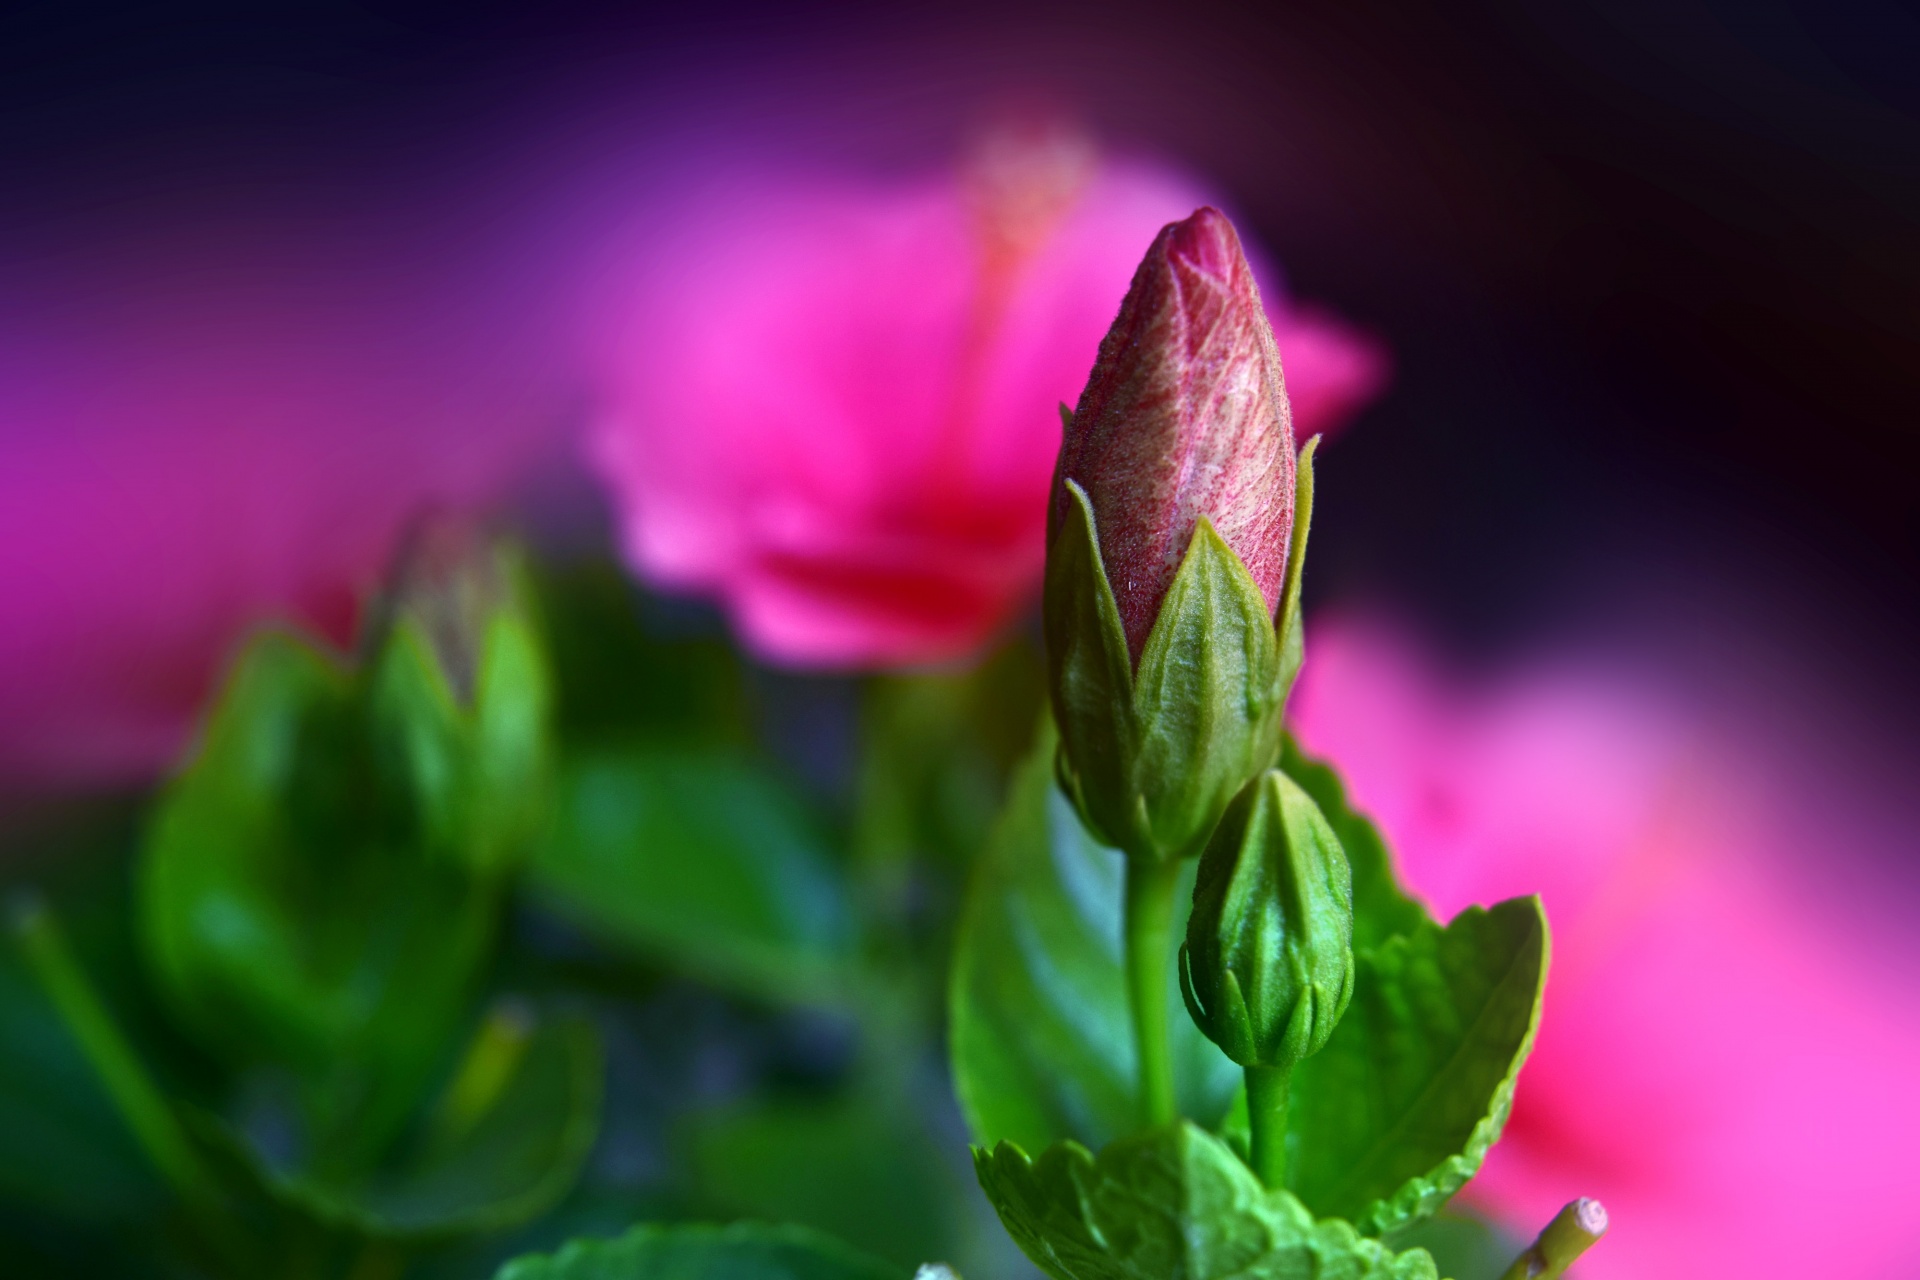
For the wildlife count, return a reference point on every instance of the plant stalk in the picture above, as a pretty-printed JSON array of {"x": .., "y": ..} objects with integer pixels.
[
  {"x": 1267, "y": 1120},
  {"x": 1151, "y": 890},
  {"x": 119, "y": 1070},
  {"x": 1571, "y": 1233}
]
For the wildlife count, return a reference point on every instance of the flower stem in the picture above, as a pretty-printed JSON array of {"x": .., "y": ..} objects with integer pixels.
[
  {"x": 1150, "y": 901},
  {"x": 1267, "y": 1118},
  {"x": 113, "y": 1060},
  {"x": 1571, "y": 1233}
]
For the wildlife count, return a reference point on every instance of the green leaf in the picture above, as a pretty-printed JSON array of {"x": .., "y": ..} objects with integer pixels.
[
  {"x": 292, "y": 909},
  {"x": 615, "y": 682},
  {"x": 850, "y": 1166},
  {"x": 65, "y": 1151},
  {"x": 502, "y": 1167},
  {"x": 1041, "y": 1039},
  {"x": 1381, "y": 908},
  {"x": 937, "y": 749},
  {"x": 1399, "y": 1109},
  {"x": 1172, "y": 1203},
  {"x": 1461, "y": 1245},
  {"x": 744, "y": 1251},
  {"x": 701, "y": 860}
]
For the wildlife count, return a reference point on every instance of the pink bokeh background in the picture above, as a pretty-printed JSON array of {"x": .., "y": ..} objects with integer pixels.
[{"x": 1724, "y": 1061}]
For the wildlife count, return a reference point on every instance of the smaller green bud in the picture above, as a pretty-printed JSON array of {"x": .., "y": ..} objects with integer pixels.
[
  {"x": 461, "y": 693},
  {"x": 1267, "y": 969}
]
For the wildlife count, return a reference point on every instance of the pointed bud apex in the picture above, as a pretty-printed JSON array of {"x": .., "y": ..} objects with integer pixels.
[
  {"x": 1268, "y": 966},
  {"x": 1184, "y": 417},
  {"x": 448, "y": 581},
  {"x": 1174, "y": 540}
]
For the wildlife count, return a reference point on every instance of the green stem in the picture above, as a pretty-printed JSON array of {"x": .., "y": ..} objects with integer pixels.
[
  {"x": 1151, "y": 890},
  {"x": 1571, "y": 1233},
  {"x": 138, "y": 1099},
  {"x": 1267, "y": 1118}
]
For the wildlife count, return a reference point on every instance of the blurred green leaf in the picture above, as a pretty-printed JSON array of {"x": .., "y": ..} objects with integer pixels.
[
  {"x": 937, "y": 751},
  {"x": 1041, "y": 1040},
  {"x": 745, "y": 1251},
  {"x": 294, "y": 912},
  {"x": 1172, "y": 1201},
  {"x": 1400, "y": 1108},
  {"x": 501, "y": 1167},
  {"x": 701, "y": 860},
  {"x": 68, "y": 1160},
  {"x": 65, "y": 1151},
  {"x": 847, "y": 1166},
  {"x": 1463, "y": 1247},
  {"x": 616, "y": 682},
  {"x": 1381, "y": 908}
]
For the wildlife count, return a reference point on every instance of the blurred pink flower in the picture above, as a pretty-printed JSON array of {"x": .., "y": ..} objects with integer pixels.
[
  {"x": 834, "y": 405},
  {"x": 205, "y": 437},
  {"x": 1718, "y": 1062}
]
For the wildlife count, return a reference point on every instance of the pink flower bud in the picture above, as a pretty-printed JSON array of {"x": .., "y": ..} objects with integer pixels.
[{"x": 1185, "y": 415}]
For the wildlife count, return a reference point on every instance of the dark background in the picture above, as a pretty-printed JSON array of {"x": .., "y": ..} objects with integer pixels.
[{"x": 1650, "y": 271}]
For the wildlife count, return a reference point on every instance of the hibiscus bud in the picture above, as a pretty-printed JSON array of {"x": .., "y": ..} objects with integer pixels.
[
  {"x": 1268, "y": 966},
  {"x": 1174, "y": 539},
  {"x": 461, "y": 693},
  {"x": 449, "y": 581}
]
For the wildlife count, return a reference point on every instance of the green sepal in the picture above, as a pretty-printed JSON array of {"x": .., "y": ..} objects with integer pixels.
[
  {"x": 1207, "y": 697},
  {"x": 743, "y": 1251},
  {"x": 1401, "y": 1107},
  {"x": 1152, "y": 758},
  {"x": 1267, "y": 967},
  {"x": 1292, "y": 628},
  {"x": 1172, "y": 1202},
  {"x": 1091, "y": 682}
]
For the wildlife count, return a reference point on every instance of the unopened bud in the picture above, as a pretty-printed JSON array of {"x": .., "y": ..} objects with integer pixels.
[
  {"x": 461, "y": 692},
  {"x": 448, "y": 581},
  {"x": 1268, "y": 966},
  {"x": 1184, "y": 418},
  {"x": 1172, "y": 546}
]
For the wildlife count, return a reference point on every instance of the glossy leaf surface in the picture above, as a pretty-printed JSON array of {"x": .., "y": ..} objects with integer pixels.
[
  {"x": 1399, "y": 1109},
  {"x": 1041, "y": 1040},
  {"x": 853, "y": 1167},
  {"x": 702, "y": 861}
]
